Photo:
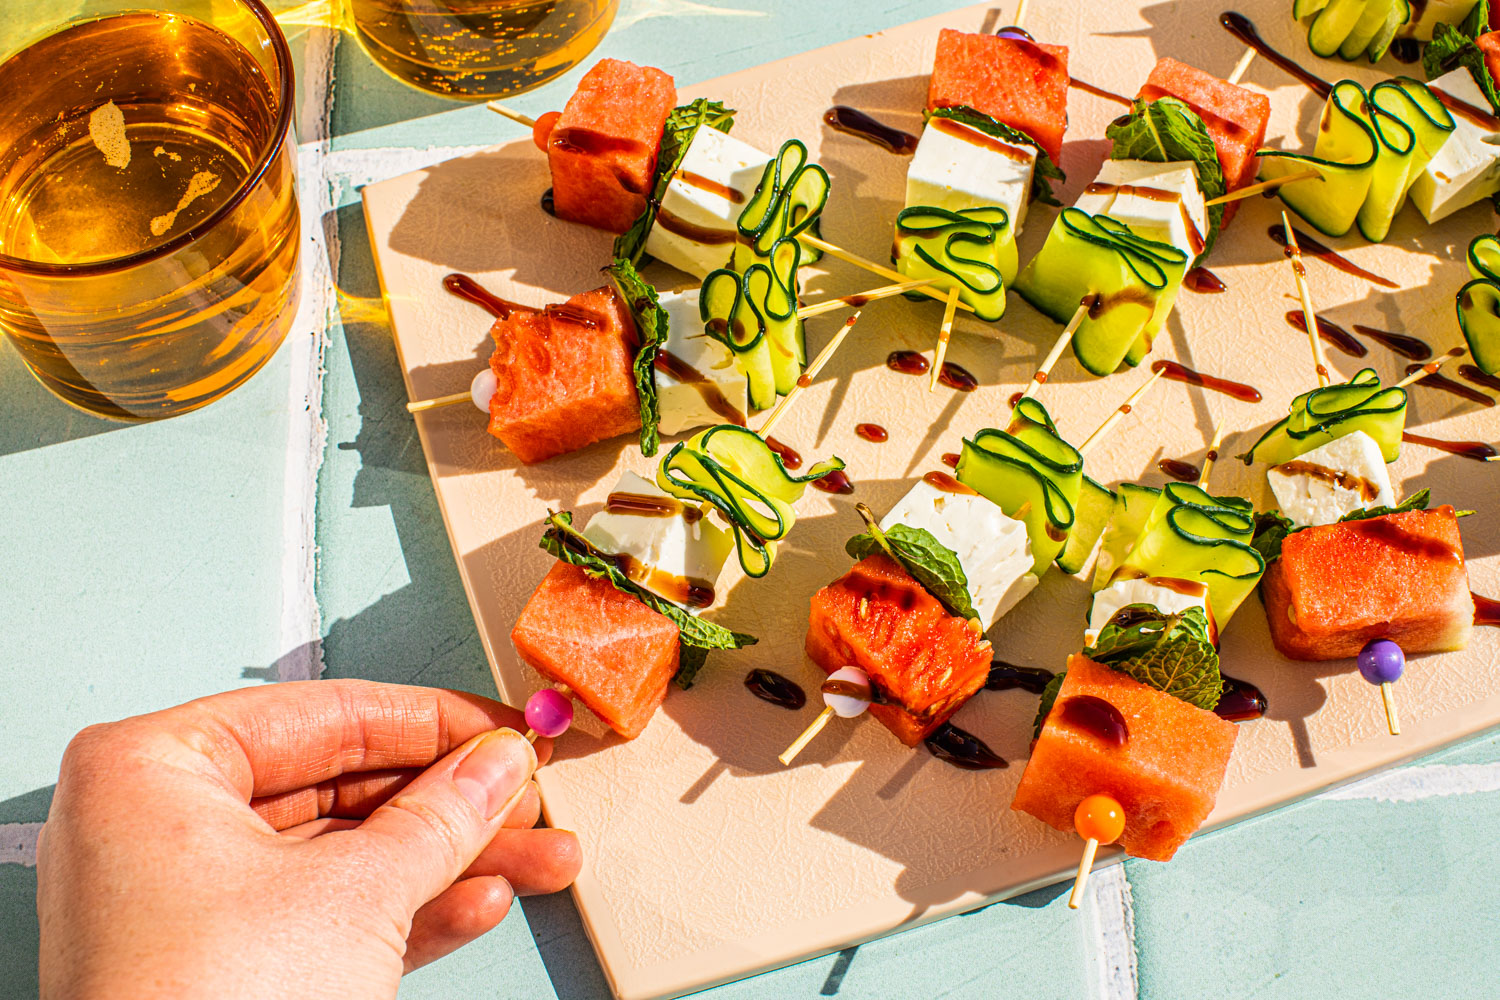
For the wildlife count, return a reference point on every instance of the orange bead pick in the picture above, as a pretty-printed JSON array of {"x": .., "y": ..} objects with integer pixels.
[{"x": 1100, "y": 818}]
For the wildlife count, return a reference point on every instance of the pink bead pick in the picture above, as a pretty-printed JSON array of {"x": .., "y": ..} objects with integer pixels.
[{"x": 548, "y": 713}]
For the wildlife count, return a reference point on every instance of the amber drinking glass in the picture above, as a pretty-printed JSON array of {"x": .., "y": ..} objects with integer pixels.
[
  {"x": 478, "y": 49},
  {"x": 148, "y": 208}
]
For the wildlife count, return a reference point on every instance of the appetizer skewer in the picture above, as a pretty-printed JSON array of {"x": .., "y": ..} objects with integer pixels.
[
  {"x": 1343, "y": 555},
  {"x": 633, "y": 579},
  {"x": 1152, "y": 213},
  {"x": 948, "y": 561}
]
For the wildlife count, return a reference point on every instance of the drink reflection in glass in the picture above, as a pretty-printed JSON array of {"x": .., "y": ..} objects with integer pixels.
[
  {"x": 479, "y": 49},
  {"x": 149, "y": 230}
]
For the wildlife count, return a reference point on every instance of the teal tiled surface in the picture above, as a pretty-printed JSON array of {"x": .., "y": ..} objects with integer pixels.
[{"x": 143, "y": 567}]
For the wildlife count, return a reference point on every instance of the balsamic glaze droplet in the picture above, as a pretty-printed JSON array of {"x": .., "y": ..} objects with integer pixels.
[
  {"x": 768, "y": 685},
  {"x": 1097, "y": 717},
  {"x": 548, "y": 205},
  {"x": 963, "y": 749},
  {"x": 1240, "y": 701},
  {"x": 1005, "y": 676}
]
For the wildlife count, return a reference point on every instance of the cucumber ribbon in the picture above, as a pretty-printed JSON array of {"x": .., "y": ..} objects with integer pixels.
[
  {"x": 1191, "y": 535},
  {"x": 1478, "y": 303},
  {"x": 1321, "y": 415},
  {"x": 1132, "y": 283},
  {"x": 787, "y": 202},
  {"x": 973, "y": 247},
  {"x": 754, "y": 314},
  {"x": 1352, "y": 28},
  {"x": 732, "y": 468},
  {"x": 1030, "y": 473},
  {"x": 1372, "y": 147}
]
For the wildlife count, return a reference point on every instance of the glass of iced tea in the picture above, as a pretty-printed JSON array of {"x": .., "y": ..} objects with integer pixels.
[
  {"x": 149, "y": 230},
  {"x": 478, "y": 49}
]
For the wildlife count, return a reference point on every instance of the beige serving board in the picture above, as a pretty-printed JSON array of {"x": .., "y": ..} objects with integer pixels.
[{"x": 706, "y": 860}]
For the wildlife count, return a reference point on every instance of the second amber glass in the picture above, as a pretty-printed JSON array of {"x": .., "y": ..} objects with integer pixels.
[{"x": 478, "y": 49}]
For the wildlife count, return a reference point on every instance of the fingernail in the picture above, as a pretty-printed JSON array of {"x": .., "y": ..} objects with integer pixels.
[{"x": 495, "y": 771}]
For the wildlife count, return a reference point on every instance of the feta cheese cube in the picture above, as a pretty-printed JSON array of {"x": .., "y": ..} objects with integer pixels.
[
  {"x": 1170, "y": 597},
  {"x": 667, "y": 550},
  {"x": 957, "y": 167},
  {"x": 991, "y": 547},
  {"x": 1465, "y": 168},
  {"x": 1160, "y": 201},
  {"x": 1345, "y": 475},
  {"x": 697, "y": 382},
  {"x": 696, "y": 225}
]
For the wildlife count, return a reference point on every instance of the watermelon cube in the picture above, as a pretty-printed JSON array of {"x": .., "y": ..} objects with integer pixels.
[
  {"x": 1489, "y": 44},
  {"x": 602, "y": 149},
  {"x": 923, "y": 662},
  {"x": 1166, "y": 775},
  {"x": 1235, "y": 117},
  {"x": 1400, "y": 577},
  {"x": 614, "y": 653},
  {"x": 1019, "y": 83},
  {"x": 563, "y": 376}
]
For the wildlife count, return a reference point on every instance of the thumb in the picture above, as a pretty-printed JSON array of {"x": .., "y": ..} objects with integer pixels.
[{"x": 440, "y": 823}]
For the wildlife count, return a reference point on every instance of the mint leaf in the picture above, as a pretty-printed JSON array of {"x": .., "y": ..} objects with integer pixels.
[
  {"x": 1452, "y": 47},
  {"x": 1168, "y": 131},
  {"x": 1417, "y": 501},
  {"x": 1049, "y": 698},
  {"x": 1271, "y": 529},
  {"x": 650, "y": 318},
  {"x": 1046, "y": 171},
  {"x": 1172, "y": 653},
  {"x": 695, "y": 635},
  {"x": 676, "y": 136},
  {"x": 930, "y": 563}
]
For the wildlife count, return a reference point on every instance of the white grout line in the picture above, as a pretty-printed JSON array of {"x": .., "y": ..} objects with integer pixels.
[
  {"x": 300, "y": 626},
  {"x": 1410, "y": 784},
  {"x": 1114, "y": 932},
  {"x": 18, "y": 843},
  {"x": 358, "y": 167}
]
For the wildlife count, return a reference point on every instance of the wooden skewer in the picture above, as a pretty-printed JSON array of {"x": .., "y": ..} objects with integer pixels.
[
  {"x": 1120, "y": 412},
  {"x": 840, "y": 253},
  {"x": 432, "y": 404},
  {"x": 805, "y": 379},
  {"x": 1430, "y": 368},
  {"x": 861, "y": 298},
  {"x": 944, "y": 332},
  {"x": 1085, "y": 865},
  {"x": 1271, "y": 185},
  {"x": 1212, "y": 456},
  {"x": 1020, "y": 14},
  {"x": 1039, "y": 377},
  {"x": 1309, "y": 314},
  {"x": 1242, "y": 67},
  {"x": 807, "y": 735},
  {"x": 511, "y": 113},
  {"x": 1392, "y": 720}
]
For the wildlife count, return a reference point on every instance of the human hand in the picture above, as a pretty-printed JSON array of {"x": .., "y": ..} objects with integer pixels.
[{"x": 312, "y": 839}]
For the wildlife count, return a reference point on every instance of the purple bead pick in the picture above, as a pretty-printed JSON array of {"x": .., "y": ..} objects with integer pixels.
[
  {"x": 1381, "y": 661},
  {"x": 549, "y": 713}
]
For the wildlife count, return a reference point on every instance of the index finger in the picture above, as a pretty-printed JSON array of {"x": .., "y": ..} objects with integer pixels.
[{"x": 274, "y": 739}]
